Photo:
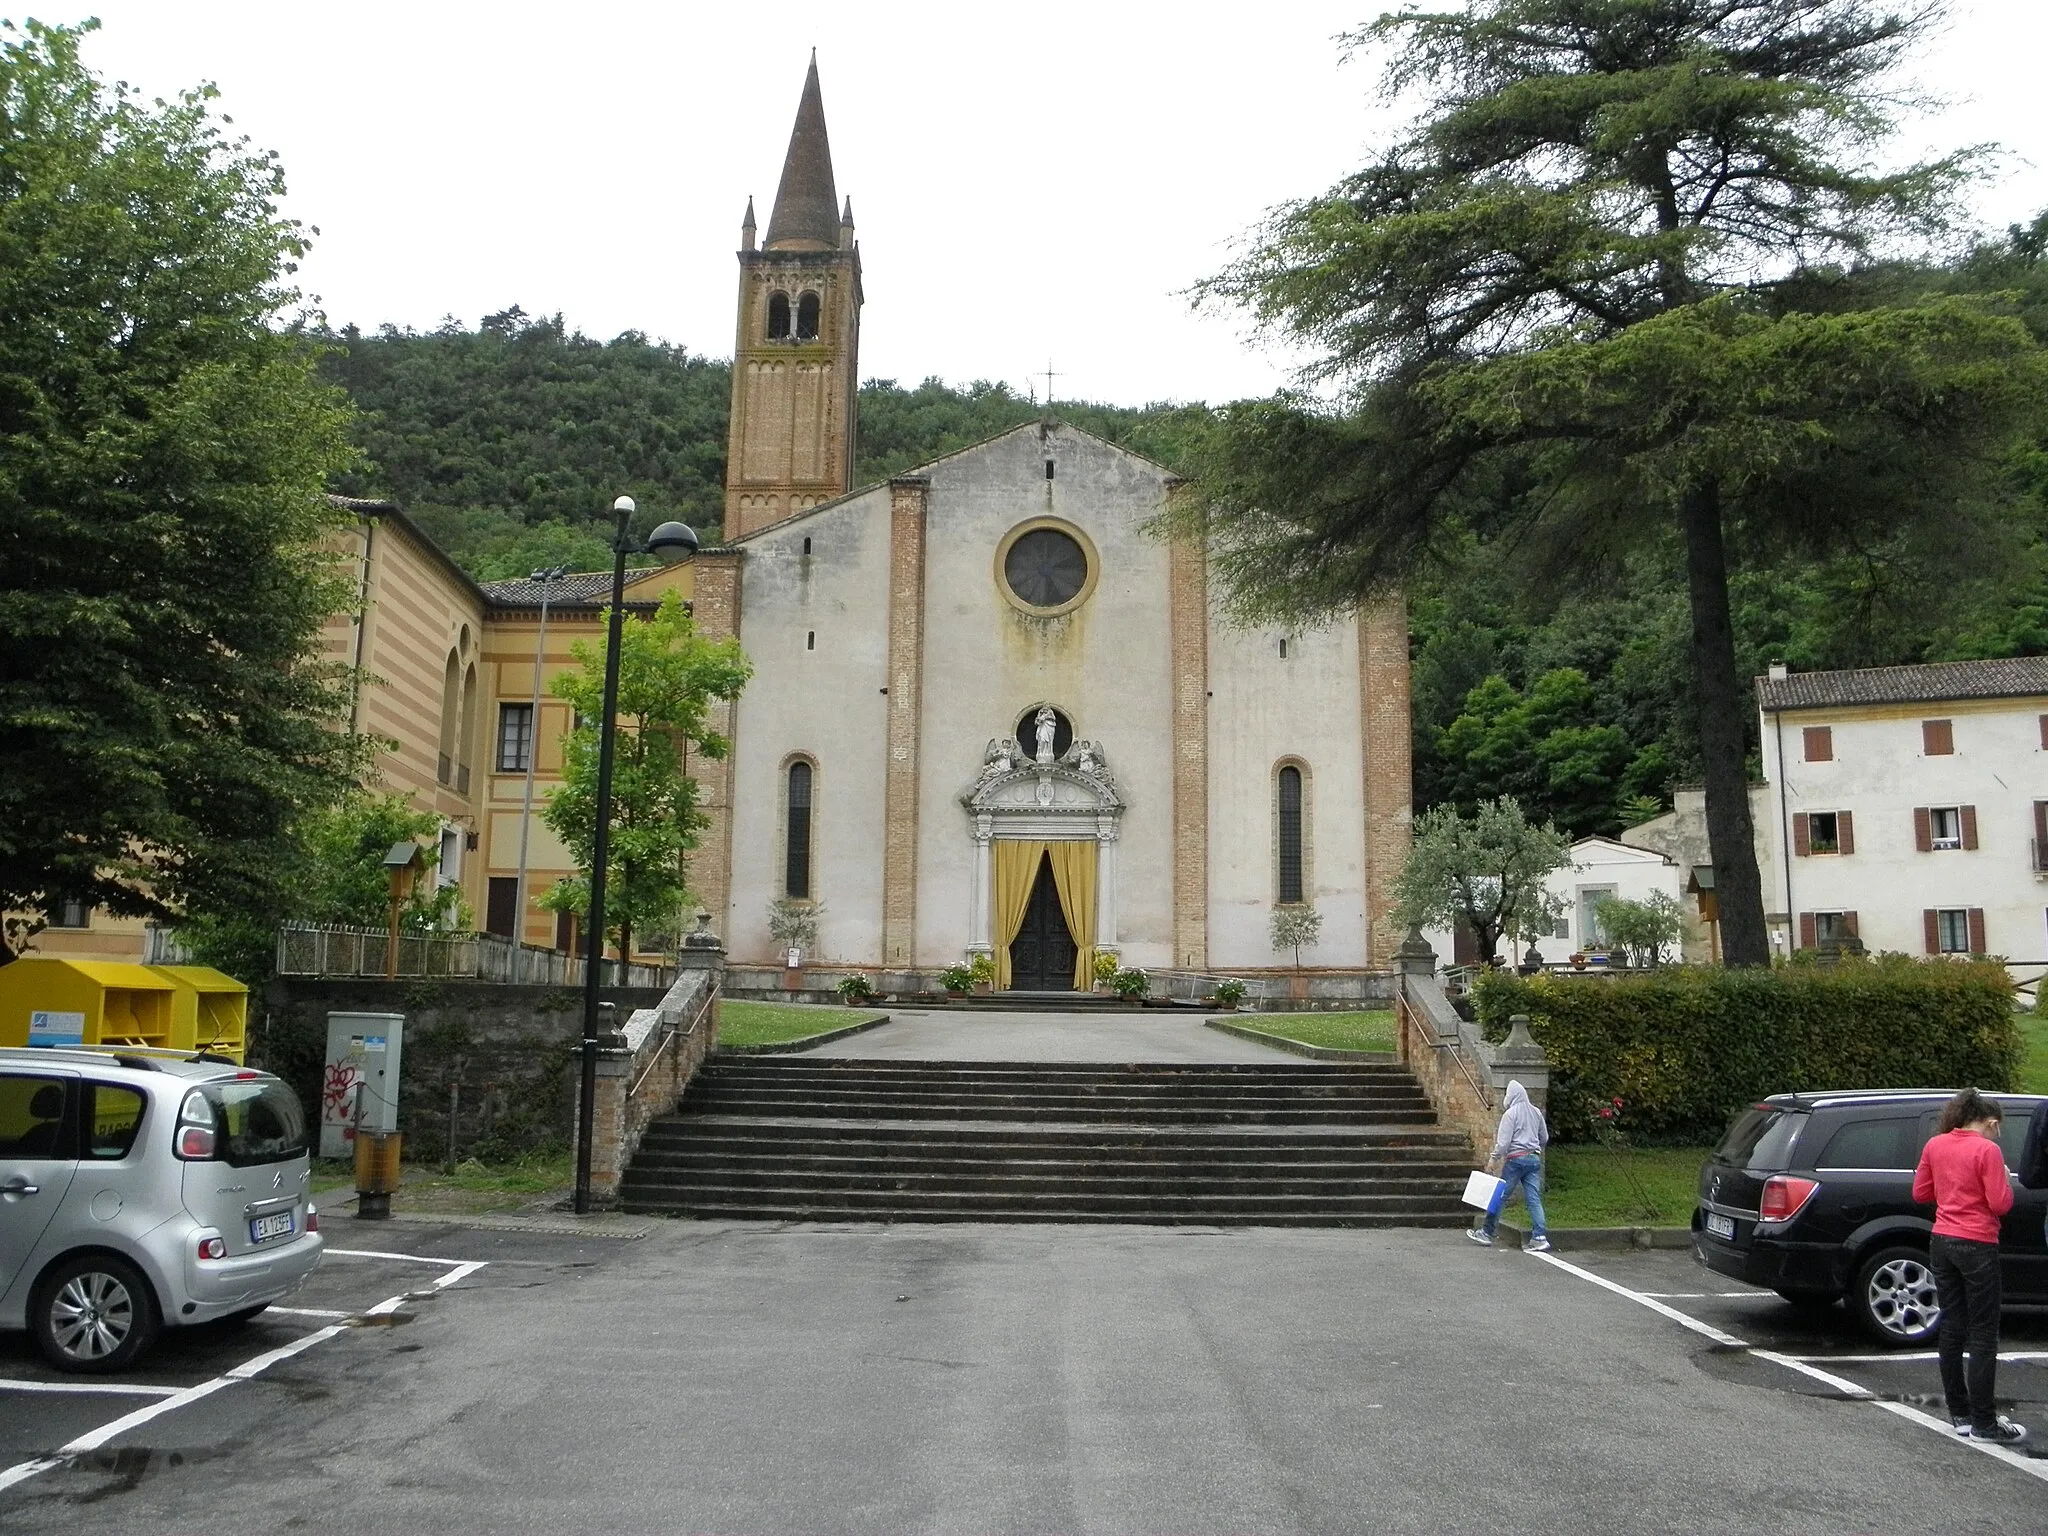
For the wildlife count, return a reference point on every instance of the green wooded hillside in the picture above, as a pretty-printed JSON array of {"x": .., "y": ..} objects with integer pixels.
[{"x": 508, "y": 442}]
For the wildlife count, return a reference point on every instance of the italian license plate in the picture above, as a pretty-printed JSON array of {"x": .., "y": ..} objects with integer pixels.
[
  {"x": 1721, "y": 1226},
  {"x": 263, "y": 1228}
]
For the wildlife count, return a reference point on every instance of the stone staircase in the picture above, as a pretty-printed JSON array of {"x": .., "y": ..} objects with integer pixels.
[{"x": 782, "y": 1139}]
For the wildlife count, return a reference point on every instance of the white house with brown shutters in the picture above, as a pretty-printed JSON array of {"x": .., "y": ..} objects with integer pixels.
[{"x": 1911, "y": 806}]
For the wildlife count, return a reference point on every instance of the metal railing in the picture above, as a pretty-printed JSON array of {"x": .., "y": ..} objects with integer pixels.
[
  {"x": 333, "y": 949},
  {"x": 1410, "y": 1015},
  {"x": 671, "y": 1034}
]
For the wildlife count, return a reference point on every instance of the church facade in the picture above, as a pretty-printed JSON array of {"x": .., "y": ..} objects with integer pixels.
[{"x": 996, "y": 712}]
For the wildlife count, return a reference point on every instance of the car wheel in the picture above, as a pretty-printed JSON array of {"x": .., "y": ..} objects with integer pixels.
[
  {"x": 93, "y": 1313},
  {"x": 1894, "y": 1297}
]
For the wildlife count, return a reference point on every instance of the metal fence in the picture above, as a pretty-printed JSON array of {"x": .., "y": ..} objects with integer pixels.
[
  {"x": 307, "y": 949},
  {"x": 160, "y": 946}
]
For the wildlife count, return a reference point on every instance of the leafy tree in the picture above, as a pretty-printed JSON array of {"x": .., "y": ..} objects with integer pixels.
[
  {"x": 164, "y": 450},
  {"x": 1486, "y": 870},
  {"x": 1641, "y": 929},
  {"x": 1296, "y": 926},
  {"x": 1548, "y": 749},
  {"x": 337, "y": 875},
  {"x": 668, "y": 678},
  {"x": 1571, "y": 306}
]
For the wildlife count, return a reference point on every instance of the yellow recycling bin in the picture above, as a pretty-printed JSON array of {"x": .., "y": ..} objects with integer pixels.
[
  {"x": 47, "y": 1001},
  {"x": 209, "y": 1010}
]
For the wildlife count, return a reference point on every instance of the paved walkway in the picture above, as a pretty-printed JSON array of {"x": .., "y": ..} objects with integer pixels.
[{"x": 957, "y": 1035}]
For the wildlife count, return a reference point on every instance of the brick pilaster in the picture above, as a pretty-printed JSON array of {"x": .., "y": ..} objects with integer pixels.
[
  {"x": 715, "y": 611},
  {"x": 1389, "y": 770},
  {"x": 1188, "y": 624},
  {"x": 908, "y": 497}
]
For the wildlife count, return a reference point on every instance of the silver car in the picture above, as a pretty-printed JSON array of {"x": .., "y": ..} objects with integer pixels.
[{"x": 145, "y": 1189}]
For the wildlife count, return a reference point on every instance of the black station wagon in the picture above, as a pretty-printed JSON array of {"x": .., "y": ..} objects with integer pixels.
[{"x": 1811, "y": 1195}]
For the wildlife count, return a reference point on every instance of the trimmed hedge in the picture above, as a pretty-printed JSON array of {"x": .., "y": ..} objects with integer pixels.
[{"x": 1685, "y": 1048}]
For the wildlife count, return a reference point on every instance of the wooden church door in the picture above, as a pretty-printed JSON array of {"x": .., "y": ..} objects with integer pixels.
[{"x": 1042, "y": 955}]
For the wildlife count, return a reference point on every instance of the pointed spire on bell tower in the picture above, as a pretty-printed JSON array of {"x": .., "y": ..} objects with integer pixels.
[
  {"x": 846, "y": 227},
  {"x": 747, "y": 227},
  {"x": 806, "y": 216}
]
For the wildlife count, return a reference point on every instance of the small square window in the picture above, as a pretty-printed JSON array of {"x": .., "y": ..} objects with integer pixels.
[
  {"x": 1824, "y": 832},
  {"x": 1945, "y": 826},
  {"x": 1937, "y": 738},
  {"x": 72, "y": 912},
  {"x": 1952, "y": 926},
  {"x": 1830, "y": 928},
  {"x": 1820, "y": 743}
]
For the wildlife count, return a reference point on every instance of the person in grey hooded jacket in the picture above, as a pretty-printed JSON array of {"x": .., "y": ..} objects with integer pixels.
[{"x": 1518, "y": 1149}]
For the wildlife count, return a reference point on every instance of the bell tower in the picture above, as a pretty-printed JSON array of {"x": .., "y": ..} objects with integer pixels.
[{"x": 796, "y": 356}]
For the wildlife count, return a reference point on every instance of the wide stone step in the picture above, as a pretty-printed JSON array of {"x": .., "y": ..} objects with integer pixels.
[
  {"x": 1130, "y": 1088},
  {"x": 1041, "y": 1072},
  {"x": 709, "y": 1196},
  {"x": 1339, "y": 1183},
  {"x": 767, "y": 1210},
  {"x": 858, "y": 1156},
  {"x": 678, "y": 1130},
  {"x": 1102, "y": 1113}
]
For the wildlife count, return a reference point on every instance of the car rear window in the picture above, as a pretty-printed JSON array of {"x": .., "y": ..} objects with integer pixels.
[
  {"x": 1760, "y": 1138},
  {"x": 1884, "y": 1143},
  {"x": 113, "y": 1116},
  {"x": 258, "y": 1122}
]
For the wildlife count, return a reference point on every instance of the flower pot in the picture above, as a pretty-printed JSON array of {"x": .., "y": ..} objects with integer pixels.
[
  {"x": 983, "y": 988},
  {"x": 956, "y": 996}
]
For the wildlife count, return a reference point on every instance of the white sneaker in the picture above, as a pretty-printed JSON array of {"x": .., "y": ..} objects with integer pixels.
[
  {"x": 2004, "y": 1432},
  {"x": 1537, "y": 1245},
  {"x": 1479, "y": 1237}
]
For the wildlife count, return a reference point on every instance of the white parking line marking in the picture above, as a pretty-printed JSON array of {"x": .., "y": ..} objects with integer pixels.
[
  {"x": 2016, "y": 1356},
  {"x": 88, "y": 1389},
  {"x": 178, "y": 1397},
  {"x": 305, "y": 1311},
  {"x": 1713, "y": 1295},
  {"x": 403, "y": 1258},
  {"x": 1842, "y": 1384}
]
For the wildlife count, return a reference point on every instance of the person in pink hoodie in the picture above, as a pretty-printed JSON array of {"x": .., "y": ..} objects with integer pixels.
[{"x": 1962, "y": 1175}]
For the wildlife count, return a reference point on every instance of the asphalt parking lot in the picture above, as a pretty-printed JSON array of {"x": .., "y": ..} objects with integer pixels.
[{"x": 747, "y": 1377}]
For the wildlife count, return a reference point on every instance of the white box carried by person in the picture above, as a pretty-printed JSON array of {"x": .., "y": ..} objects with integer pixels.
[{"x": 1486, "y": 1192}]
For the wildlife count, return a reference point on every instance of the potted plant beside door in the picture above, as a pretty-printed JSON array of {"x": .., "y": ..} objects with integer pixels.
[
  {"x": 1107, "y": 964},
  {"x": 956, "y": 979},
  {"x": 1131, "y": 986},
  {"x": 982, "y": 970}
]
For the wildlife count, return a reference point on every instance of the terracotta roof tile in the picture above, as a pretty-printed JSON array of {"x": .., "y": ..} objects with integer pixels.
[{"x": 2009, "y": 677}]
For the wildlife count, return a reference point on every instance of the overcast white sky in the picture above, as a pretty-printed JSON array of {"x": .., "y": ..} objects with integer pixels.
[{"x": 1029, "y": 181}]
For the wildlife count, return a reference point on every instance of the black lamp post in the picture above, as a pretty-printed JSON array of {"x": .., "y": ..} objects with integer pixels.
[{"x": 669, "y": 542}]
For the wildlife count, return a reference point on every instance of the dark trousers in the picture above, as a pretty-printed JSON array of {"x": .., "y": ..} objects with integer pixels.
[{"x": 1966, "y": 1274}]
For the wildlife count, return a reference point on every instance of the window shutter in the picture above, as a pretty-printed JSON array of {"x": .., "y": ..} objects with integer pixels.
[
  {"x": 1806, "y": 930},
  {"x": 2044, "y": 733},
  {"x": 1937, "y": 738},
  {"x": 1969, "y": 826},
  {"x": 1933, "y": 922},
  {"x": 1849, "y": 925},
  {"x": 1923, "y": 839},
  {"x": 2041, "y": 834},
  {"x": 1977, "y": 944},
  {"x": 1845, "y": 831},
  {"x": 1820, "y": 742},
  {"x": 1802, "y": 835}
]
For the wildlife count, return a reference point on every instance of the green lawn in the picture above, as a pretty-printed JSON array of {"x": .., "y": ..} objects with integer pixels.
[
  {"x": 472, "y": 1187},
  {"x": 742, "y": 1023},
  {"x": 2034, "y": 1065},
  {"x": 1588, "y": 1186},
  {"x": 1341, "y": 1031}
]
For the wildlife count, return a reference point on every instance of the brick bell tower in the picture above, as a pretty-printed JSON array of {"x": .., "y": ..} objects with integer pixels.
[{"x": 796, "y": 357}]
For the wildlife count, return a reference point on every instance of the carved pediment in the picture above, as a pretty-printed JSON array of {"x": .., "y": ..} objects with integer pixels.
[{"x": 1011, "y": 783}]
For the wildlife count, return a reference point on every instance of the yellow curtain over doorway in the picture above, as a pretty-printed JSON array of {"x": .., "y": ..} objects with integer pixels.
[
  {"x": 1073, "y": 871},
  {"x": 1015, "y": 872}
]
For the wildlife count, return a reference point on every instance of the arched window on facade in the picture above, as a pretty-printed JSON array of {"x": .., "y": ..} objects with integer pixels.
[
  {"x": 465, "y": 742},
  {"x": 807, "y": 318},
  {"x": 796, "y": 857},
  {"x": 778, "y": 317},
  {"x": 451, "y": 715},
  {"x": 1289, "y": 789}
]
